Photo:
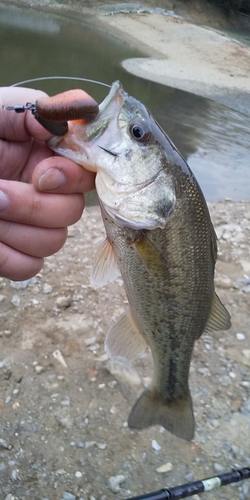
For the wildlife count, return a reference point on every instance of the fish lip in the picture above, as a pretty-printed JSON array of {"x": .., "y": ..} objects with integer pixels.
[{"x": 115, "y": 87}]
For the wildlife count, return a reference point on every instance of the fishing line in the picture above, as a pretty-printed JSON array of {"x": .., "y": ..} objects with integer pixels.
[
  {"x": 78, "y": 78},
  {"x": 44, "y": 78},
  {"x": 190, "y": 489}
]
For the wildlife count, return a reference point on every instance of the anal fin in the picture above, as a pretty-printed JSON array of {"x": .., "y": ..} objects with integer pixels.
[{"x": 219, "y": 318}]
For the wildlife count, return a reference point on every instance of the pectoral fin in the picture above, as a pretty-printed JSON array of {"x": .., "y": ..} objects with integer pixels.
[
  {"x": 123, "y": 341},
  {"x": 151, "y": 257},
  {"x": 219, "y": 318},
  {"x": 105, "y": 268}
]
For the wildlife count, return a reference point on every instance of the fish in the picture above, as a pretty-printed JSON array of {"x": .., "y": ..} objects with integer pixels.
[{"x": 160, "y": 239}]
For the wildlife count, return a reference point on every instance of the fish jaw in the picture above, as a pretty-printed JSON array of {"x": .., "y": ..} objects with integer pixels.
[{"x": 79, "y": 143}]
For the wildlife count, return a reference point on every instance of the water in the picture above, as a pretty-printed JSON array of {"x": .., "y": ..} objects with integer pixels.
[{"x": 214, "y": 139}]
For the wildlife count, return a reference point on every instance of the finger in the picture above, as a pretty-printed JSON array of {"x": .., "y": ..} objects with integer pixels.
[
  {"x": 18, "y": 266},
  {"x": 15, "y": 155},
  {"x": 20, "y": 202},
  {"x": 20, "y": 126},
  {"x": 34, "y": 241},
  {"x": 61, "y": 175}
]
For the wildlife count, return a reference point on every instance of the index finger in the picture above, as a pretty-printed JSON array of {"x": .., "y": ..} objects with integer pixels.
[{"x": 20, "y": 126}]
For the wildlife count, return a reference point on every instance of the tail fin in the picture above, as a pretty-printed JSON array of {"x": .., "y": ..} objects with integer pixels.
[{"x": 151, "y": 409}]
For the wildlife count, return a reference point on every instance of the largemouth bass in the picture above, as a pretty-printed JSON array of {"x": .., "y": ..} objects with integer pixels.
[{"x": 161, "y": 240}]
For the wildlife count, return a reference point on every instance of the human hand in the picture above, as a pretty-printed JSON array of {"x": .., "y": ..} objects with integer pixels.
[{"x": 40, "y": 193}]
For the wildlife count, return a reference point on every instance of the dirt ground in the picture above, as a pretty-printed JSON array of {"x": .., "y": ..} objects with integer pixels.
[
  {"x": 63, "y": 420},
  {"x": 64, "y": 405}
]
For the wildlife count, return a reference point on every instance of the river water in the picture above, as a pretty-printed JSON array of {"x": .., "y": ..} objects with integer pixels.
[{"x": 213, "y": 138}]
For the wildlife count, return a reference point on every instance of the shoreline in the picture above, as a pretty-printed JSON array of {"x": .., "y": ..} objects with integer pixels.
[
  {"x": 183, "y": 55},
  {"x": 185, "y": 50}
]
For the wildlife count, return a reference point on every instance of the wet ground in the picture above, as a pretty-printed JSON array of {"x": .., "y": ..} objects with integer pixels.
[{"x": 64, "y": 406}]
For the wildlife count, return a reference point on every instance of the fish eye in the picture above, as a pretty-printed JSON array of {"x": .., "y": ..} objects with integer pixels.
[{"x": 139, "y": 132}]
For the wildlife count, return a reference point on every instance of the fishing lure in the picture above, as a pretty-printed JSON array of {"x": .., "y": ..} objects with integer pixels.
[{"x": 54, "y": 112}]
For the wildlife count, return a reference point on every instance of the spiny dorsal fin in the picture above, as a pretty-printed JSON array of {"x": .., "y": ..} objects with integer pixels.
[
  {"x": 219, "y": 318},
  {"x": 123, "y": 341},
  {"x": 105, "y": 268}
]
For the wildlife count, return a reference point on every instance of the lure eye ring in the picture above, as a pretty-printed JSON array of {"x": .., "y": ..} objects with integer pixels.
[{"x": 139, "y": 132}]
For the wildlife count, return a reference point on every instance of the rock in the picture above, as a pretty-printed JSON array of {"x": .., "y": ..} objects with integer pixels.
[
  {"x": 39, "y": 369},
  {"x": 7, "y": 333},
  {"x": 223, "y": 282},
  {"x": 21, "y": 285},
  {"x": 115, "y": 481},
  {"x": 47, "y": 288},
  {"x": 68, "y": 496},
  {"x": 5, "y": 445},
  {"x": 78, "y": 474},
  {"x": 63, "y": 302},
  {"x": 218, "y": 468},
  {"x": 102, "y": 446},
  {"x": 16, "y": 300},
  {"x": 165, "y": 468},
  {"x": 156, "y": 446},
  {"x": 240, "y": 336},
  {"x": 245, "y": 264},
  {"x": 246, "y": 353}
]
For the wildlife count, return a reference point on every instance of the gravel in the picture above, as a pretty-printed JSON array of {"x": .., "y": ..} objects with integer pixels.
[{"x": 64, "y": 405}]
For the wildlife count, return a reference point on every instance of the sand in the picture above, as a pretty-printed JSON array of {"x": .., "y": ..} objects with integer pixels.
[{"x": 186, "y": 56}]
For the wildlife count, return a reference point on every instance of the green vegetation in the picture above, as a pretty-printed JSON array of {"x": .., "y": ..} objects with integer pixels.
[{"x": 233, "y": 5}]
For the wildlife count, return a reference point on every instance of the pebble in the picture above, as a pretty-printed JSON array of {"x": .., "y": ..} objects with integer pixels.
[
  {"x": 78, "y": 474},
  {"x": 7, "y": 333},
  {"x": 21, "y": 285},
  {"x": 240, "y": 336},
  {"x": 246, "y": 353},
  {"x": 165, "y": 468},
  {"x": 102, "y": 446},
  {"x": 47, "y": 288},
  {"x": 16, "y": 300},
  {"x": 2, "y": 297},
  {"x": 245, "y": 383},
  {"x": 223, "y": 282},
  {"x": 63, "y": 302},
  {"x": 112, "y": 384},
  {"x": 156, "y": 446},
  {"x": 68, "y": 496},
  {"x": 246, "y": 289},
  {"x": 39, "y": 369},
  {"x": 4, "y": 444},
  {"x": 115, "y": 481},
  {"x": 219, "y": 468}
]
